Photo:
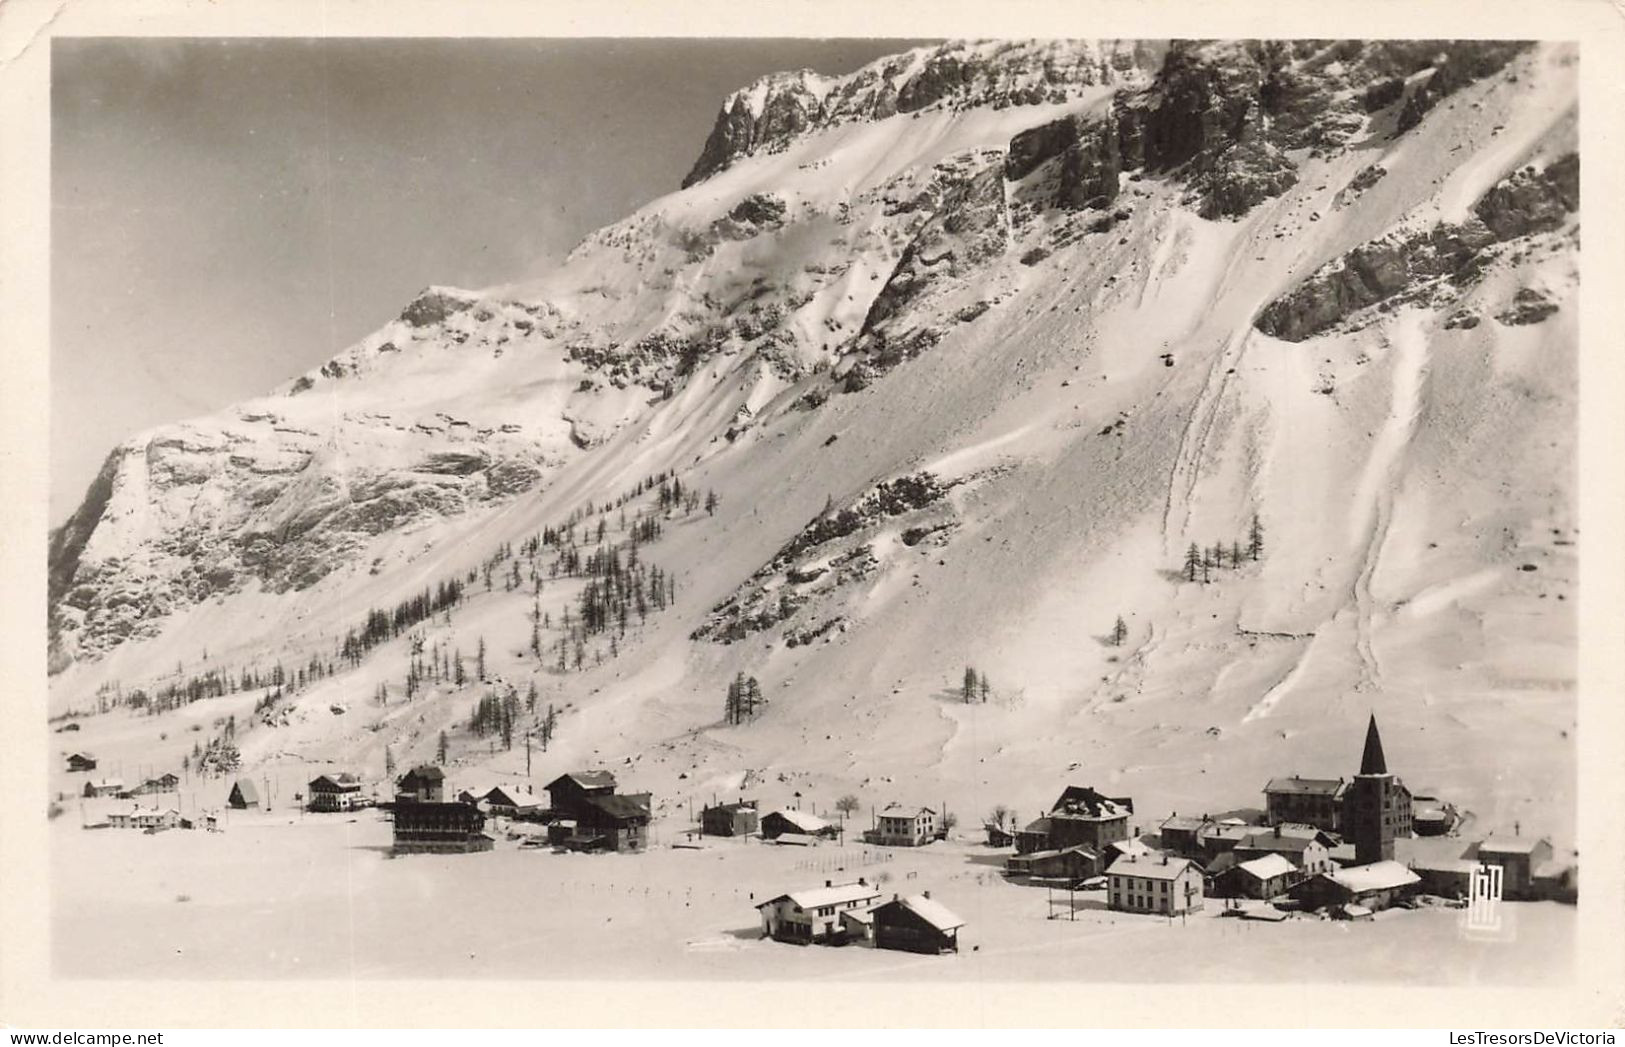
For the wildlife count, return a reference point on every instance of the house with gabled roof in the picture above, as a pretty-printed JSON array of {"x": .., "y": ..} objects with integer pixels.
[
  {"x": 612, "y": 823},
  {"x": 1164, "y": 885},
  {"x": 900, "y": 825},
  {"x": 788, "y": 820},
  {"x": 568, "y": 793},
  {"x": 1181, "y": 835},
  {"x": 814, "y": 915},
  {"x": 1375, "y": 885},
  {"x": 81, "y": 761},
  {"x": 244, "y": 795},
  {"x": 334, "y": 792},
  {"x": 1263, "y": 878},
  {"x": 918, "y": 923},
  {"x": 730, "y": 819},
  {"x": 424, "y": 783}
]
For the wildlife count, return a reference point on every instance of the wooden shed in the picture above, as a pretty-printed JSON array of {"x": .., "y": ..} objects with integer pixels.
[{"x": 917, "y": 924}]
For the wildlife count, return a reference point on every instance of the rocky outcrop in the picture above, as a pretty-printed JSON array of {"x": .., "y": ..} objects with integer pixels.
[
  {"x": 1529, "y": 306},
  {"x": 969, "y": 228},
  {"x": 776, "y": 110},
  {"x": 1525, "y": 202},
  {"x": 1085, "y": 155},
  {"x": 1455, "y": 67}
]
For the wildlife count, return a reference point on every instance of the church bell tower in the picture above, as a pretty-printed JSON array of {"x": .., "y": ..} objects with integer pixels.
[{"x": 1374, "y": 804}]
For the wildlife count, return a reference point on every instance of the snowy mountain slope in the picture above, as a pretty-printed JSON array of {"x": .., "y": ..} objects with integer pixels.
[{"x": 1055, "y": 316}]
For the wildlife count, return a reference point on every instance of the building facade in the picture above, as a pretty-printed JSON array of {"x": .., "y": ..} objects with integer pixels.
[
  {"x": 730, "y": 819},
  {"x": 439, "y": 828},
  {"x": 809, "y": 916},
  {"x": 336, "y": 792},
  {"x": 916, "y": 924},
  {"x": 424, "y": 783},
  {"x": 1166, "y": 886},
  {"x": 899, "y": 826}
]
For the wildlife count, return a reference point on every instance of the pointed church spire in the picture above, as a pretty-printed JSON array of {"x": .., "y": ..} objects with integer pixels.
[{"x": 1372, "y": 761}]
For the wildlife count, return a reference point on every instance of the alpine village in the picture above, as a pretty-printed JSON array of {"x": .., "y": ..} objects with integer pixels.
[{"x": 1343, "y": 848}]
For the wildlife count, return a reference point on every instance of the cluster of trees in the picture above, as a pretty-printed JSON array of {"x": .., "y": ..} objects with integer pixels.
[
  {"x": 744, "y": 698},
  {"x": 674, "y": 496},
  {"x": 975, "y": 686},
  {"x": 496, "y": 714},
  {"x": 381, "y": 626},
  {"x": 1200, "y": 562},
  {"x": 219, "y": 757}
]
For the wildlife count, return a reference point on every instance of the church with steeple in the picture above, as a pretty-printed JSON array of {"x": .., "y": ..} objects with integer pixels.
[{"x": 1376, "y": 805}]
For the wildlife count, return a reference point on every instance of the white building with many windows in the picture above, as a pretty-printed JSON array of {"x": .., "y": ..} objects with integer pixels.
[{"x": 1161, "y": 884}]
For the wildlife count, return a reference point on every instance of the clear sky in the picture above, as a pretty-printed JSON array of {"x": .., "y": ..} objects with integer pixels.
[{"x": 229, "y": 213}]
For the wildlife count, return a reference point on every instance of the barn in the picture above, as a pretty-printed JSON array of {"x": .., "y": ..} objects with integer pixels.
[
  {"x": 244, "y": 795},
  {"x": 917, "y": 924}
]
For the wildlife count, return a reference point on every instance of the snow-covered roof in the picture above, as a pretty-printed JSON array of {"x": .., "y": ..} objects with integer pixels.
[
  {"x": 897, "y": 810},
  {"x": 1184, "y": 823},
  {"x": 836, "y": 894},
  {"x": 1150, "y": 869},
  {"x": 1306, "y": 786},
  {"x": 1133, "y": 847},
  {"x": 807, "y": 823},
  {"x": 1227, "y": 831},
  {"x": 1377, "y": 876},
  {"x": 1510, "y": 845},
  {"x": 796, "y": 840},
  {"x": 1267, "y": 867},
  {"x": 932, "y": 912}
]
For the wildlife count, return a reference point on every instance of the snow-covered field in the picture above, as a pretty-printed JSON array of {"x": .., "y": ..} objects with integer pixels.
[{"x": 318, "y": 896}]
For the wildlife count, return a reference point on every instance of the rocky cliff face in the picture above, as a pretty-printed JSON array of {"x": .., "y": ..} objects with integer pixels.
[
  {"x": 1435, "y": 264},
  {"x": 776, "y": 110}
]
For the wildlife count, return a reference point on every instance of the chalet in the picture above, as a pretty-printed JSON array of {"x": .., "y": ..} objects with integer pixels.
[
  {"x": 424, "y": 783},
  {"x": 916, "y": 924},
  {"x": 1167, "y": 886},
  {"x": 165, "y": 783},
  {"x": 335, "y": 792},
  {"x": 509, "y": 802},
  {"x": 613, "y": 823},
  {"x": 568, "y": 793},
  {"x": 1305, "y": 851},
  {"x": 1313, "y": 801},
  {"x": 775, "y": 823},
  {"x": 1376, "y": 885},
  {"x": 244, "y": 795},
  {"x": 1182, "y": 836},
  {"x": 1263, "y": 878},
  {"x": 104, "y": 787},
  {"x": 900, "y": 826},
  {"x": 1072, "y": 864},
  {"x": 81, "y": 761},
  {"x": 1518, "y": 857},
  {"x": 439, "y": 828},
  {"x": 1083, "y": 816},
  {"x": 809, "y": 916},
  {"x": 730, "y": 819},
  {"x": 122, "y": 819}
]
